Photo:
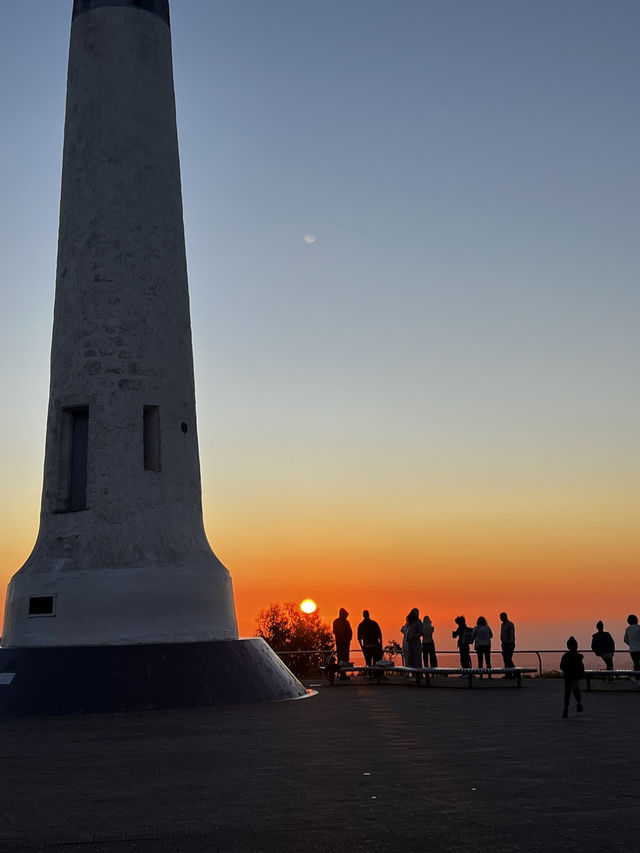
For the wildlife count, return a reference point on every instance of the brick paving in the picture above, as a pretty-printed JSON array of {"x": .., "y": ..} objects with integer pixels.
[{"x": 357, "y": 767}]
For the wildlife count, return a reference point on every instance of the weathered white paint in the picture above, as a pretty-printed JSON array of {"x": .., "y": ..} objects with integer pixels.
[{"x": 135, "y": 566}]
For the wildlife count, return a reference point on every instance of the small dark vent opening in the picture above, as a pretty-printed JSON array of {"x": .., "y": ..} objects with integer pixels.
[{"x": 41, "y": 605}]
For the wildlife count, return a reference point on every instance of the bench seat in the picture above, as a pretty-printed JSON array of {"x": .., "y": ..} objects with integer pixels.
[
  {"x": 428, "y": 672},
  {"x": 611, "y": 674}
]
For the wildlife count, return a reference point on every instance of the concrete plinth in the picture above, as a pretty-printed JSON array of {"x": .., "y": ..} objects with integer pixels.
[{"x": 100, "y": 679}]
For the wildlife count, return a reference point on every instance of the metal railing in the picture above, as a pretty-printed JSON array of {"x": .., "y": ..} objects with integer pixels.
[{"x": 324, "y": 654}]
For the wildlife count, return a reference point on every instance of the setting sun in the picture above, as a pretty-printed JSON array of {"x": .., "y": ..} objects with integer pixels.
[{"x": 308, "y": 605}]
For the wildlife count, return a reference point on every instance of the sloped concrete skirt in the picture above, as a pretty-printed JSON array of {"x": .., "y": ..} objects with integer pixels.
[{"x": 49, "y": 681}]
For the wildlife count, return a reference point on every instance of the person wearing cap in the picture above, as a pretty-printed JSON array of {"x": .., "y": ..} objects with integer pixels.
[{"x": 343, "y": 634}]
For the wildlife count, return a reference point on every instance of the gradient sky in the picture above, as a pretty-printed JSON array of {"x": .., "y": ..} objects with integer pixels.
[{"x": 433, "y": 404}]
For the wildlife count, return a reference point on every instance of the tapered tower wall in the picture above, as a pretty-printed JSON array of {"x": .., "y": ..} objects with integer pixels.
[{"x": 121, "y": 555}]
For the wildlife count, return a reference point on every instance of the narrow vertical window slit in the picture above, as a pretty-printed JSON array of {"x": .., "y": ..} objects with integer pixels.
[
  {"x": 78, "y": 459},
  {"x": 151, "y": 437}
]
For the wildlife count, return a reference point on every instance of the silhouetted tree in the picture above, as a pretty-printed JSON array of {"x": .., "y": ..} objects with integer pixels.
[
  {"x": 392, "y": 649},
  {"x": 288, "y": 630}
]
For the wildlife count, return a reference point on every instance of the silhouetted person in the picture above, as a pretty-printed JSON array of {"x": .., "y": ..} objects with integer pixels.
[
  {"x": 370, "y": 639},
  {"x": 463, "y": 633},
  {"x": 482, "y": 635},
  {"x": 428, "y": 645},
  {"x": 343, "y": 634},
  {"x": 602, "y": 644},
  {"x": 414, "y": 640},
  {"x": 507, "y": 641},
  {"x": 405, "y": 650},
  {"x": 572, "y": 671},
  {"x": 632, "y": 639}
]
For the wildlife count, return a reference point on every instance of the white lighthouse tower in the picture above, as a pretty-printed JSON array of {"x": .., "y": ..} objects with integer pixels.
[{"x": 122, "y": 602}]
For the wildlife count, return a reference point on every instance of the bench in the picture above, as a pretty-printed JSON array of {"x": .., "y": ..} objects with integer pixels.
[
  {"x": 610, "y": 674},
  {"x": 514, "y": 673},
  {"x": 378, "y": 672}
]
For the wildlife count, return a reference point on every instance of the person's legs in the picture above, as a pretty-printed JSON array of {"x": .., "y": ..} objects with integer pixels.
[
  {"x": 576, "y": 692},
  {"x": 342, "y": 651},
  {"x": 507, "y": 654},
  {"x": 608, "y": 661},
  {"x": 484, "y": 657},
  {"x": 572, "y": 687},
  {"x": 429, "y": 654},
  {"x": 635, "y": 657},
  {"x": 415, "y": 656},
  {"x": 567, "y": 698},
  {"x": 486, "y": 652}
]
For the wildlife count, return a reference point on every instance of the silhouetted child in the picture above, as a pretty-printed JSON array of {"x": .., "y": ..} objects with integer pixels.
[{"x": 572, "y": 671}]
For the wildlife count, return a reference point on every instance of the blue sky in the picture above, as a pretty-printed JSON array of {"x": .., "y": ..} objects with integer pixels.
[{"x": 459, "y": 341}]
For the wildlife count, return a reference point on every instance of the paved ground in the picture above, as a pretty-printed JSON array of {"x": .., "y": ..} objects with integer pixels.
[{"x": 358, "y": 767}]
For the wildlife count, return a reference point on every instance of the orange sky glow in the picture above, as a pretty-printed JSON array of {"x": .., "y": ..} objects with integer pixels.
[{"x": 556, "y": 568}]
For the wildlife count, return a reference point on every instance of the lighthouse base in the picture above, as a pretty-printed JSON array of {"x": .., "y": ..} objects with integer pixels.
[{"x": 55, "y": 680}]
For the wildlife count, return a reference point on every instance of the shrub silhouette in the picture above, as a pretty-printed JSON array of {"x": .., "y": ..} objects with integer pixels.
[{"x": 289, "y": 631}]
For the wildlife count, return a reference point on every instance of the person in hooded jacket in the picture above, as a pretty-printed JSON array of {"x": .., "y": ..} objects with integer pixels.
[{"x": 343, "y": 634}]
